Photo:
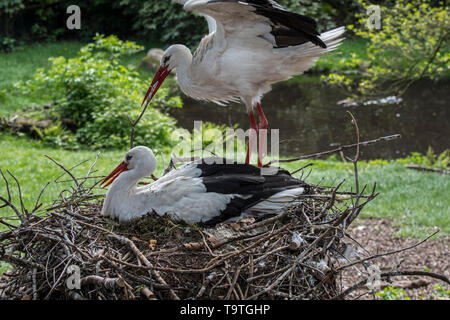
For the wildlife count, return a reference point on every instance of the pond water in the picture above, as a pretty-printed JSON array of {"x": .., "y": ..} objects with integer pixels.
[{"x": 310, "y": 120}]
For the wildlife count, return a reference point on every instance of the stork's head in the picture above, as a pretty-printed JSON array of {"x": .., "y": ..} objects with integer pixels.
[
  {"x": 140, "y": 161},
  {"x": 175, "y": 56}
]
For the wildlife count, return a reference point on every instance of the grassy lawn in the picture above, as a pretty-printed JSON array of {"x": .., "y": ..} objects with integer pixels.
[
  {"x": 21, "y": 65},
  {"x": 334, "y": 62},
  {"x": 417, "y": 201}
]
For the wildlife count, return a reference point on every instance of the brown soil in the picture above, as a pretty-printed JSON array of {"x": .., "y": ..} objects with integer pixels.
[{"x": 378, "y": 236}]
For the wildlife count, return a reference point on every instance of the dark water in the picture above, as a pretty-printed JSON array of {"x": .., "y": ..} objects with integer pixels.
[{"x": 310, "y": 120}]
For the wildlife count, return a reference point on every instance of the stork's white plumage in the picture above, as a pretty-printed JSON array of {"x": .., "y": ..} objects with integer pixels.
[
  {"x": 206, "y": 192},
  {"x": 251, "y": 45}
]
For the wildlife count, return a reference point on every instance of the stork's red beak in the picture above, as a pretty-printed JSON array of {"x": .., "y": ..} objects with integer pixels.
[
  {"x": 158, "y": 80},
  {"x": 113, "y": 175}
]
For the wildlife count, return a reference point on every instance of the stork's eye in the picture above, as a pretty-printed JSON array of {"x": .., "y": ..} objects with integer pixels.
[
  {"x": 166, "y": 59},
  {"x": 129, "y": 157}
]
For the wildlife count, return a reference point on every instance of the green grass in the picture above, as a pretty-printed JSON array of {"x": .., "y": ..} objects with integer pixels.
[
  {"x": 417, "y": 201},
  {"x": 334, "y": 62},
  {"x": 21, "y": 65}
]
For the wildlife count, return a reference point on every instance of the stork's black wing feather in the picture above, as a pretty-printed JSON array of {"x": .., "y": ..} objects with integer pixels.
[{"x": 288, "y": 28}]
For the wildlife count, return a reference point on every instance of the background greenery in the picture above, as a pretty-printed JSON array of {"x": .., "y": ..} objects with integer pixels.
[
  {"x": 94, "y": 94},
  {"x": 412, "y": 44}
]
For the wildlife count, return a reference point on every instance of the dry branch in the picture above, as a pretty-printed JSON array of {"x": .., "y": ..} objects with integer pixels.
[
  {"x": 338, "y": 150},
  {"x": 427, "y": 169}
]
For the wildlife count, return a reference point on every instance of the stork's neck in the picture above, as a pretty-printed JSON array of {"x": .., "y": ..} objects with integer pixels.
[
  {"x": 122, "y": 199},
  {"x": 184, "y": 71},
  {"x": 127, "y": 181}
]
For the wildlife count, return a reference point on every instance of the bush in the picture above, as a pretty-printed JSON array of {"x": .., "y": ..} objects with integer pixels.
[
  {"x": 7, "y": 44},
  {"x": 169, "y": 23},
  {"x": 430, "y": 159},
  {"x": 95, "y": 94},
  {"x": 412, "y": 44},
  {"x": 328, "y": 14},
  {"x": 391, "y": 293}
]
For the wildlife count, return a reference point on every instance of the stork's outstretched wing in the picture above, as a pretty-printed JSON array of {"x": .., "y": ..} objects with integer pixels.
[{"x": 266, "y": 19}]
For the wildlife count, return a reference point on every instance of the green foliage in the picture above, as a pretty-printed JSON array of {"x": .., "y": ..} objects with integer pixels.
[
  {"x": 328, "y": 14},
  {"x": 169, "y": 23},
  {"x": 391, "y": 293},
  {"x": 413, "y": 43},
  {"x": 11, "y": 7},
  {"x": 40, "y": 18},
  {"x": 7, "y": 44},
  {"x": 4, "y": 267},
  {"x": 430, "y": 159},
  {"x": 95, "y": 94},
  {"x": 440, "y": 292}
]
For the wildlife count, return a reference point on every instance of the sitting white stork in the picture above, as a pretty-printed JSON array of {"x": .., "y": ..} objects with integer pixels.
[
  {"x": 207, "y": 191},
  {"x": 251, "y": 45}
]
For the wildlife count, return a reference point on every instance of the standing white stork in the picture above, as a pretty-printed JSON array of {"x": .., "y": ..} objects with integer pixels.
[
  {"x": 207, "y": 191},
  {"x": 251, "y": 45}
]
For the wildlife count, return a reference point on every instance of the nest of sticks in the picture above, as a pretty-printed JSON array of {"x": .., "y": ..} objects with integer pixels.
[
  {"x": 68, "y": 251},
  {"x": 290, "y": 255}
]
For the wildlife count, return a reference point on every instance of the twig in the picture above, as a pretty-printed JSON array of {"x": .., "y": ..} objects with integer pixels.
[
  {"x": 387, "y": 253},
  {"x": 392, "y": 274},
  {"x": 63, "y": 168},
  {"x": 145, "y": 261},
  {"x": 148, "y": 293},
  {"x": 108, "y": 283},
  {"x": 134, "y": 123},
  {"x": 22, "y": 206},
  {"x": 422, "y": 168},
  {"x": 343, "y": 148}
]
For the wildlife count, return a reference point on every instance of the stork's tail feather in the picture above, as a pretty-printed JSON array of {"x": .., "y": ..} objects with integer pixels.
[
  {"x": 277, "y": 202},
  {"x": 333, "y": 38}
]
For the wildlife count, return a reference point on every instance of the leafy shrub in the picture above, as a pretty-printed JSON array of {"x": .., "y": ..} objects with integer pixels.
[
  {"x": 95, "y": 94},
  {"x": 391, "y": 293},
  {"x": 440, "y": 293},
  {"x": 324, "y": 12},
  {"x": 430, "y": 159},
  {"x": 169, "y": 23},
  {"x": 413, "y": 44},
  {"x": 7, "y": 44}
]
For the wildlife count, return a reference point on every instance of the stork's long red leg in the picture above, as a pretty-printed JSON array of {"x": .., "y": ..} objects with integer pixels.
[
  {"x": 252, "y": 137},
  {"x": 263, "y": 124}
]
